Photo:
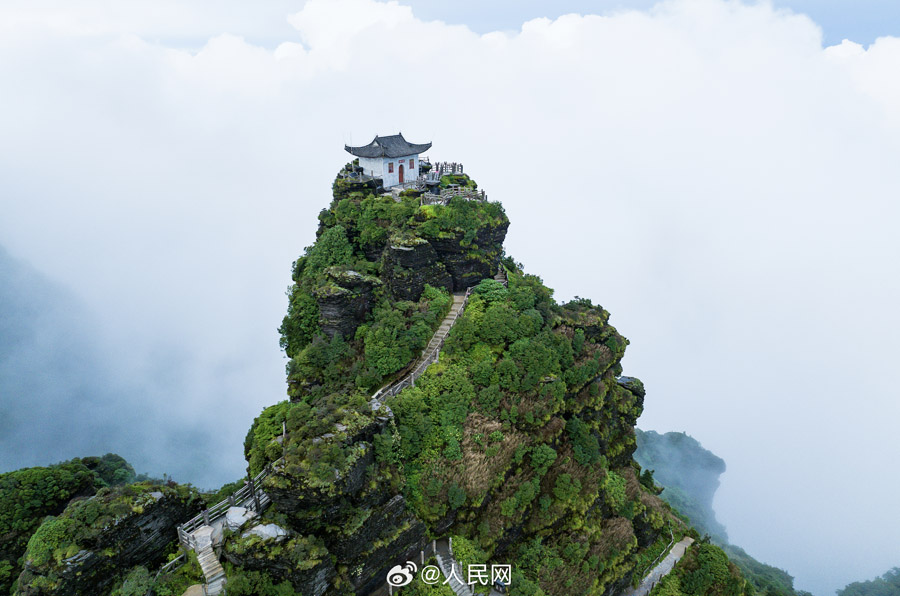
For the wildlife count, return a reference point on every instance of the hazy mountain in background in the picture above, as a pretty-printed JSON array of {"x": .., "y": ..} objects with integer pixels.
[
  {"x": 690, "y": 475},
  {"x": 51, "y": 374},
  {"x": 63, "y": 392},
  {"x": 886, "y": 585}
]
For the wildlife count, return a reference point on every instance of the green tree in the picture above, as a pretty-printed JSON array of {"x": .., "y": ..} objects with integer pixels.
[
  {"x": 331, "y": 249},
  {"x": 542, "y": 457},
  {"x": 566, "y": 488}
]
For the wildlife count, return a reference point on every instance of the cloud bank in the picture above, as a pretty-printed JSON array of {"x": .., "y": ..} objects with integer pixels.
[{"x": 718, "y": 180}]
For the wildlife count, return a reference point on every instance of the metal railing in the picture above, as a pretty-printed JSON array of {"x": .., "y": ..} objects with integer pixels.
[
  {"x": 172, "y": 565},
  {"x": 252, "y": 495},
  {"x": 428, "y": 357}
]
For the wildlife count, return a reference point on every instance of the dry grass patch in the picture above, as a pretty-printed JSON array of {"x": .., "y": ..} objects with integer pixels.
[
  {"x": 551, "y": 430},
  {"x": 482, "y": 463},
  {"x": 632, "y": 486},
  {"x": 616, "y": 535}
]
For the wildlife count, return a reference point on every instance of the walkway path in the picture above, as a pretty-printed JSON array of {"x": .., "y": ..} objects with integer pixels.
[
  {"x": 198, "y": 532},
  {"x": 664, "y": 567},
  {"x": 451, "y": 569},
  {"x": 429, "y": 355},
  {"x": 441, "y": 334},
  {"x": 209, "y": 562}
]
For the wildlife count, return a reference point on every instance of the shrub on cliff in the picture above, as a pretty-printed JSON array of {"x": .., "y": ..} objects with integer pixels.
[
  {"x": 704, "y": 571},
  {"x": 30, "y": 494},
  {"x": 519, "y": 438}
]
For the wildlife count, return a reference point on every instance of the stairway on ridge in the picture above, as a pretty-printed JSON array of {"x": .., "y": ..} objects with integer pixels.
[
  {"x": 444, "y": 329},
  {"x": 209, "y": 562}
]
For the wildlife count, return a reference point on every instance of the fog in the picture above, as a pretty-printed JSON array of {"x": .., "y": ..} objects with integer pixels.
[
  {"x": 723, "y": 183},
  {"x": 69, "y": 393}
]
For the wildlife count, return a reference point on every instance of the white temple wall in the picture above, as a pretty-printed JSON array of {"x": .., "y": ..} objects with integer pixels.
[{"x": 371, "y": 165}]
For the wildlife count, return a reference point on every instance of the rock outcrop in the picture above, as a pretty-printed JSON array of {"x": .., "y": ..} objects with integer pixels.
[
  {"x": 344, "y": 301},
  {"x": 84, "y": 550},
  {"x": 470, "y": 262},
  {"x": 518, "y": 440},
  {"x": 300, "y": 560},
  {"x": 410, "y": 264}
]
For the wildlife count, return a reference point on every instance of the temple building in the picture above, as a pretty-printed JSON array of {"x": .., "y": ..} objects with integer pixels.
[{"x": 392, "y": 158}]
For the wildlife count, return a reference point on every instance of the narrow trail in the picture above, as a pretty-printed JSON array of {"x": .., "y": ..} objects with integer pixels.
[
  {"x": 451, "y": 569},
  {"x": 197, "y": 533},
  {"x": 444, "y": 328},
  {"x": 661, "y": 570},
  {"x": 209, "y": 562}
]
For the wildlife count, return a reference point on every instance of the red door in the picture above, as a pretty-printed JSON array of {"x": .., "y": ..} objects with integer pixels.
[{"x": 401, "y": 173}]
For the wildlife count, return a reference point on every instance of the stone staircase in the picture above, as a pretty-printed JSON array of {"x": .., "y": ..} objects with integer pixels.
[
  {"x": 441, "y": 334},
  {"x": 209, "y": 562},
  {"x": 452, "y": 571}
]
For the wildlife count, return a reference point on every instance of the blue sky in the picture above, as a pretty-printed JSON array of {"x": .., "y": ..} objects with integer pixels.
[{"x": 861, "y": 21}]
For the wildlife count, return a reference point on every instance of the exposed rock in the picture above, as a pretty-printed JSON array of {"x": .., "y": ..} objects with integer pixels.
[
  {"x": 301, "y": 560},
  {"x": 633, "y": 384},
  {"x": 140, "y": 527},
  {"x": 344, "y": 301},
  {"x": 292, "y": 493},
  {"x": 408, "y": 539},
  {"x": 409, "y": 265},
  {"x": 236, "y": 517},
  {"x": 469, "y": 263},
  {"x": 266, "y": 531},
  {"x": 382, "y": 521}
]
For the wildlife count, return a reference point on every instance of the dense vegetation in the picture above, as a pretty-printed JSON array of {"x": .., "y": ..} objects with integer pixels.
[
  {"x": 519, "y": 439},
  {"x": 85, "y": 521},
  {"x": 331, "y": 376},
  {"x": 886, "y": 585},
  {"x": 28, "y": 495},
  {"x": 704, "y": 571}
]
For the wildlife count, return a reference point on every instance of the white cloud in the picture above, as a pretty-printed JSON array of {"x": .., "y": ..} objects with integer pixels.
[{"x": 706, "y": 170}]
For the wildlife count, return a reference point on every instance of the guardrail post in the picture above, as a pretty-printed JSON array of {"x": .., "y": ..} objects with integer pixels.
[{"x": 254, "y": 495}]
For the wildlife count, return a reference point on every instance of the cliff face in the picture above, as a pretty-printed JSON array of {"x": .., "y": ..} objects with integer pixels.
[
  {"x": 689, "y": 472},
  {"x": 86, "y": 548},
  {"x": 518, "y": 442},
  {"x": 29, "y": 495}
]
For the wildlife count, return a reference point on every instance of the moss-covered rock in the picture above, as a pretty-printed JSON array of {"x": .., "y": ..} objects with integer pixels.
[
  {"x": 410, "y": 265},
  {"x": 30, "y": 494},
  {"x": 519, "y": 440},
  {"x": 84, "y": 549},
  {"x": 301, "y": 560}
]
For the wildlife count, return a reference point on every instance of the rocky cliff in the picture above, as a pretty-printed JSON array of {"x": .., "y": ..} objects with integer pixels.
[
  {"x": 86, "y": 548},
  {"x": 518, "y": 442}
]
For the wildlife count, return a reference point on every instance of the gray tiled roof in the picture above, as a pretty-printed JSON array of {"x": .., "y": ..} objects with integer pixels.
[{"x": 392, "y": 146}]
